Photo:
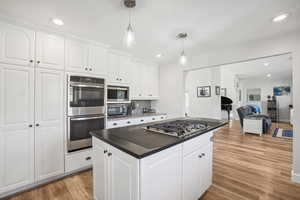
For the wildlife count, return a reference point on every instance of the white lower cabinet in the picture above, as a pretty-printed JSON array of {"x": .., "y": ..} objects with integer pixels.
[
  {"x": 78, "y": 160},
  {"x": 49, "y": 145},
  {"x": 16, "y": 126},
  {"x": 168, "y": 174},
  {"x": 116, "y": 174},
  {"x": 31, "y": 130},
  {"x": 197, "y": 172},
  {"x": 160, "y": 176}
]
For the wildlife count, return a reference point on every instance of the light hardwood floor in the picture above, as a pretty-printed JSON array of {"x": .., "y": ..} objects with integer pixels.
[{"x": 246, "y": 167}]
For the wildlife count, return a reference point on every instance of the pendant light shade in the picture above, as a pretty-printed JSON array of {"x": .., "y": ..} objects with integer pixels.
[
  {"x": 129, "y": 37},
  {"x": 182, "y": 59}
]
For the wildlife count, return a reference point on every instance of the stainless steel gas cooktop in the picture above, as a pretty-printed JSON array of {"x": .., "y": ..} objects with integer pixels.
[{"x": 179, "y": 128}]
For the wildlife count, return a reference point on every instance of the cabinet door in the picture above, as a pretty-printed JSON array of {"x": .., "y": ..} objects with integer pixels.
[
  {"x": 135, "y": 82},
  {"x": 192, "y": 175},
  {"x": 206, "y": 167},
  {"x": 16, "y": 131},
  {"x": 125, "y": 69},
  {"x": 153, "y": 82},
  {"x": 166, "y": 167},
  {"x": 50, "y": 51},
  {"x": 98, "y": 60},
  {"x": 100, "y": 171},
  {"x": 113, "y": 67},
  {"x": 49, "y": 138},
  {"x": 16, "y": 45},
  {"x": 124, "y": 176},
  {"x": 76, "y": 56}
]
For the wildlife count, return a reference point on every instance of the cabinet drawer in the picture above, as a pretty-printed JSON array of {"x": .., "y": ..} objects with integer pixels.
[
  {"x": 121, "y": 123},
  {"x": 196, "y": 143},
  {"x": 79, "y": 160}
]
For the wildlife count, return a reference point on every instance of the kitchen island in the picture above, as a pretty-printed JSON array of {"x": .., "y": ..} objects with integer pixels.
[{"x": 133, "y": 163}]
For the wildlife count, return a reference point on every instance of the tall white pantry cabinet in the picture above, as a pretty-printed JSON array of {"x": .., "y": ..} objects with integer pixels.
[{"x": 31, "y": 107}]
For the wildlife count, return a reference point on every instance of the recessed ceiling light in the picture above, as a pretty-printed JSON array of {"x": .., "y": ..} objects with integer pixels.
[
  {"x": 266, "y": 64},
  {"x": 280, "y": 17},
  {"x": 269, "y": 75},
  {"x": 158, "y": 55},
  {"x": 58, "y": 22}
]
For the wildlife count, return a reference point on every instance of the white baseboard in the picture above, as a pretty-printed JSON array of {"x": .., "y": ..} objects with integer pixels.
[{"x": 295, "y": 177}]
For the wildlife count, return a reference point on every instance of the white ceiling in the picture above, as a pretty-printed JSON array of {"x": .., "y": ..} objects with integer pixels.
[
  {"x": 209, "y": 23},
  {"x": 280, "y": 67}
]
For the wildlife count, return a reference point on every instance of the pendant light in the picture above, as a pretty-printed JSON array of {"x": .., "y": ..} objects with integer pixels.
[
  {"x": 182, "y": 59},
  {"x": 129, "y": 37}
]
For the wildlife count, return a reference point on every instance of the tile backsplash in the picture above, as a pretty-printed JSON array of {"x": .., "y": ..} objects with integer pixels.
[{"x": 137, "y": 106}]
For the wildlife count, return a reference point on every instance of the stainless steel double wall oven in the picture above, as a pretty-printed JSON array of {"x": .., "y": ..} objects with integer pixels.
[{"x": 85, "y": 110}]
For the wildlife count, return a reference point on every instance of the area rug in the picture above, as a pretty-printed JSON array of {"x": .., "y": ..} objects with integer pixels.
[{"x": 281, "y": 133}]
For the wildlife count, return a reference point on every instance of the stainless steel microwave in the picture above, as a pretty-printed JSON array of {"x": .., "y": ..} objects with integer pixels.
[{"x": 117, "y": 94}]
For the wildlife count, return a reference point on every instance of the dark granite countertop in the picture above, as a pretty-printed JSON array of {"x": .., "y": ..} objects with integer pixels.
[{"x": 138, "y": 142}]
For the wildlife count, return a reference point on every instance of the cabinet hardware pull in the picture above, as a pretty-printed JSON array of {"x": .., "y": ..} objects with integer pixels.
[
  {"x": 202, "y": 154},
  {"x": 199, "y": 156},
  {"x": 86, "y": 68},
  {"x": 88, "y": 158},
  {"x": 30, "y": 125},
  {"x": 153, "y": 118},
  {"x": 109, "y": 154},
  {"x": 128, "y": 122},
  {"x": 115, "y": 124},
  {"x": 90, "y": 69},
  {"x": 142, "y": 120},
  {"x": 105, "y": 151},
  {"x": 38, "y": 62},
  {"x": 31, "y": 61},
  {"x": 161, "y": 117},
  {"x": 37, "y": 125}
]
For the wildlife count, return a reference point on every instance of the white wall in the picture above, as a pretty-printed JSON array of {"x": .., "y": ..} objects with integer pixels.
[
  {"x": 228, "y": 81},
  {"x": 203, "y": 106},
  {"x": 171, "y": 76},
  {"x": 266, "y": 85},
  {"x": 171, "y": 91}
]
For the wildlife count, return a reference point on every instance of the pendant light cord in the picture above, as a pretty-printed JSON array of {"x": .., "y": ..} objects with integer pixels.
[{"x": 129, "y": 16}]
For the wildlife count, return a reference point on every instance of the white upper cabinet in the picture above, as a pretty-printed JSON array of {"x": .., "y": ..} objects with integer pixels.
[
  {"x": 86, "y": 57},
  {"x": 49, "y": 134},
  {"x": 16, "y": 45},
  {"x": 113, "y": 67},
  {"x": 144, "y": 81},
  {"x": 119, "y": 68},
  {"x": 135, "y": 83},
  {"x": 16, "y": 126},
  {"x": 76, "y": 56},
  {"x": 97, "y": 60},
  {"x": 125, "y": 69},
  {"x": 50, "y": 51}
]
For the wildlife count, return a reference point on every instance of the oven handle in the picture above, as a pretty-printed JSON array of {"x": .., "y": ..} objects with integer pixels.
[
  {"x": 86, "y": 85},
  {"x": 86, "y": 118}
]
